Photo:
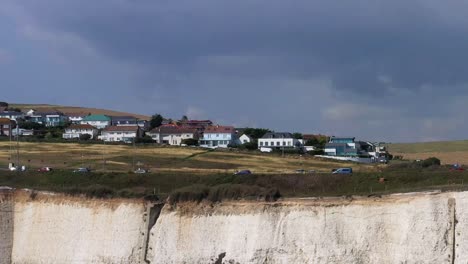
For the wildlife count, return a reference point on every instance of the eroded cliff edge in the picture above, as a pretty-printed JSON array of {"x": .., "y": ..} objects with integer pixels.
[{"x": 409, "y": 228}]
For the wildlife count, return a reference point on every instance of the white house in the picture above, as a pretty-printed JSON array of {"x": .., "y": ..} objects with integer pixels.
[
  {"x": 245, "y": 139},
  {"x": 218, "y": 136},
  {"x": 279, "y": 140},
  {"x": 172, "y": 135},
  {"x": 75, "y": 131},
  {"x": 125, "y": 134},
  {"x": 98, "y": 121},
  {"x": 76, "y": 118}
]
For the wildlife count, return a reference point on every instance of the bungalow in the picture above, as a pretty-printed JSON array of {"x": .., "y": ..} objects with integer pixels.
[
  {"x": 279, "y": 140},
  {"x": 12, "y": 115},
  {"x": 218, "y": 136},
  {"x": 125, "y": 134},
  {"x": 6, "y": 126},
  {"x": 172, "y": 135},
  {"x": 75, "y": 131},
  {"x": 98, "y": 121},
  {"x": 76, "y": 118}
]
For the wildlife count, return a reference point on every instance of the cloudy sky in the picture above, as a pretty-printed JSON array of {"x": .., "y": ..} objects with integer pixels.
[{"x": 378, "y": 70}]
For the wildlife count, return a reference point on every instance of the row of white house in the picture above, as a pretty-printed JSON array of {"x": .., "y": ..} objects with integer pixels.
[{"x": 212, "y": 136}]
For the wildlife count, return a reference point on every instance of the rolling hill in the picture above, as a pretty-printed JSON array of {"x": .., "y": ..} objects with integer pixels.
[{"x": 77, "y": 109}]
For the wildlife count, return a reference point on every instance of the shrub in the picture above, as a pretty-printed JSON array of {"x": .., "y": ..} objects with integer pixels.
[
  {"x": 433, "y": 161},
  {"x": 99, "y": 191},
  {"x": 85, "y": 137},
  {"x": 194, "y": 193},
  {"x": 190, "y": 142}
]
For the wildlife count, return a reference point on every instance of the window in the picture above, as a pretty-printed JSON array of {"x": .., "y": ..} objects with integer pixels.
[
  {"x": 289, "y": 143},
  {"x": 272, "y": 143},
  {"x": 284, "y": 143},
  {"x": 277, "y": 143},
  {"x": 261, "y": 143},
  {"x": 266, "y": 144}
]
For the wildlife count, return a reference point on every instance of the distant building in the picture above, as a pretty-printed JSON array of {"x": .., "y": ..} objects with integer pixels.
[
  {"x": 98, "y": 121},
  {"x": 6, "y": 126},
  {"x": 12, "y": 115},
  {"x": 218, "y": 136},
  {"x": 129, "y": 121},
  {"x": 279, "y": 140},
  {"x": 76, "y": 118},
  {"x": 125, "y": 134},
  {"x": 200, "y": 125},
  {"x": 245, "y": 139},
  {"x": 76, "y": 130},
  {"x": 348, "y": 147},
  {"x": 47, "y": 117},
  {"x": 172, "y": 135}
]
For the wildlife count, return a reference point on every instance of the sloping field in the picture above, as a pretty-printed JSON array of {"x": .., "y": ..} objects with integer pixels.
[
  {"x": 125, "y": 158},
  {"x": 448, "y": 152},
  {"x": 76, "y": 109}
]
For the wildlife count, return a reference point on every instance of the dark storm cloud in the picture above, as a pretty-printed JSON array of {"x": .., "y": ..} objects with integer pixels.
[
  {"x": 380, "y": 57},
  {"x": 353, "y": 42}
]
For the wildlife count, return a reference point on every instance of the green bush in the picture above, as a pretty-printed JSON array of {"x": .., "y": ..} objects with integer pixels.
[
  {"x": 433, "y": 161},
  {"x": 190, "y": 142}
]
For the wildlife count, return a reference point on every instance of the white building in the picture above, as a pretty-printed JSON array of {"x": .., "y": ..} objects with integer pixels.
[
  {"x": 98, "y": 121},
  {"x": 75, "y": 131},
  {"x": 172, "y": 135},
  {"x": 245, "y": 139},
  {"x": 125, "y": 134},
  {"x": 218, "y": 136},
  {"x": 12, "y": 115},
  {"x": 76, "y": 118},
  {"x": 279, "y": 141}
]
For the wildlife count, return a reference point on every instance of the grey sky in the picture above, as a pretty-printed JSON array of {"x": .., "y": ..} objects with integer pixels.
[{"x": 378, "y": 70}]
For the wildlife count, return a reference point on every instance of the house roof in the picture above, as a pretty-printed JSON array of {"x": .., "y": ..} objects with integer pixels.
[
  {"x": 121, "y": 129},
  {"x": 10, "y": 113},
  {"x": 173, "y": 130},
  {"x": 81, "y": 114},
  {"x": 220, "y": 129},
  {"x": 278, "y": 135},
  {"x": 83, "y": 126},
  {"x": 97, "y": 118}
]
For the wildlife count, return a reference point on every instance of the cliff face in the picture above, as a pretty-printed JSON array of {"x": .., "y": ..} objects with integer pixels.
[
  {"x": 413, "y": 228},
  {"x": 405, "y": 229}
]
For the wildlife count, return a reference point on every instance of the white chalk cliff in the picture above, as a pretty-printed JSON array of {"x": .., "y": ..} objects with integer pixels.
[{"x": 409, "y": 228}]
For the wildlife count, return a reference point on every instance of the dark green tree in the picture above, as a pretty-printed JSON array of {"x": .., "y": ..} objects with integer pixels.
[
  {"x": 256, "y": 133},
  {"x": 156, "y": 121},
  {"x": 190, "y": 142},
  {"x": 297, "y": 135}
]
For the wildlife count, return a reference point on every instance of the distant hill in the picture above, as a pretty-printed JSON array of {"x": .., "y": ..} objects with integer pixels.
[
  {"x": 448, "y": 152},
  {"x": 77, "y": 109}
]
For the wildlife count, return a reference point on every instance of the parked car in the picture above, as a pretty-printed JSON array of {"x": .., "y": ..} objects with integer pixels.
[
  {"x": 300, "y": 171},
  {"x": 457, "y": 167},
  {"x": 343, "y": 171},
  {"x": 141, "y": 171},
  {"x": 82, "y": 170},
  {"x": 44, "y": 169},
  {"x": 243, "y": 172}
]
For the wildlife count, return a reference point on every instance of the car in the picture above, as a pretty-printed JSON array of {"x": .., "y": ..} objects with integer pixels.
[
  {"x": 141, "y": 171},
  {"x": 343, "y": 171},
  {"x": 44, "y": 169},
  {"x": 456, "y": 167},
  {"x": 82, "y": 170},
  {"x": 300, "y": 171},
  {"x": 243, "y": 172}
]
